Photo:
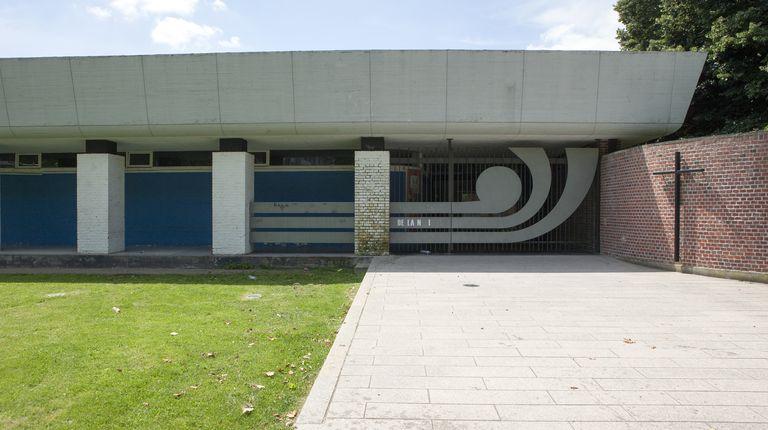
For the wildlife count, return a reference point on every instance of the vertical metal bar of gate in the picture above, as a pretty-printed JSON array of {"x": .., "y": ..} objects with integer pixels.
[{"x": 450, "y": 195}]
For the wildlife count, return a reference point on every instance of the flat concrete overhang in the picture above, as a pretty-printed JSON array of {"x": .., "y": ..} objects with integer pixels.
[{"x": 180, "y": 101}]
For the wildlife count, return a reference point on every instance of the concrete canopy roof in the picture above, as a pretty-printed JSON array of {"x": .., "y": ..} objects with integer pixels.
[{"x": 493, "y": 96}]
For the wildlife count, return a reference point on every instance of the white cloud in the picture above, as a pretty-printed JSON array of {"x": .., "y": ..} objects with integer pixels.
[
  {"x": 232, "y": 42},
  {"x": 179, "y": 33},
  {"x": 134, "y": 8},
  {"x": 219, "y": 5},
  {"x": 98, "y": 12},
  {"x": 576, "y": 24}
]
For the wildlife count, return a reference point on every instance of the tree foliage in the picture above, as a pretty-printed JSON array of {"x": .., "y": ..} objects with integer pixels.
[{"x": 732, "y": 95}]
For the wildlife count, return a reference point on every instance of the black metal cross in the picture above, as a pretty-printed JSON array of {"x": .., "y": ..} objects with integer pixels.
[{"x": 677, "y": 172}]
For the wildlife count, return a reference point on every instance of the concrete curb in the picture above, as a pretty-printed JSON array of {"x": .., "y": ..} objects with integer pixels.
[
  {"x": 313, "y": 412},
  {"x": 32, "y": 263}
]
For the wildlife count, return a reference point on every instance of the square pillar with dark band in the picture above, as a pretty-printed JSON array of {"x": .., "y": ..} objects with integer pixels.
[{"x": 233, "y": 144}]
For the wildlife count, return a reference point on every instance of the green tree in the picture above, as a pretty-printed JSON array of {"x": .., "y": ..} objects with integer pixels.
[{"x": 732, "y": 95}]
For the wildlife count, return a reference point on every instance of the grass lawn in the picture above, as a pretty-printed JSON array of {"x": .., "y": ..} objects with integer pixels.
[{"x": 175, "y": 352}]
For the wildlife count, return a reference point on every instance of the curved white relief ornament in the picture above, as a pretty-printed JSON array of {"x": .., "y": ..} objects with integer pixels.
[
  {"x": 498, "y": 189},
  {"x": 541, "y": 175},
  {"x": 582, "y": 164}
]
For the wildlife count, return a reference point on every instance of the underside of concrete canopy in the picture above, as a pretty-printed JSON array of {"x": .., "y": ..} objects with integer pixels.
[{"x": 317, "y": 99}]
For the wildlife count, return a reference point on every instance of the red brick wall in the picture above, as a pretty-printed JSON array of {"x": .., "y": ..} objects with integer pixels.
[{"x": 724, "y": 217}]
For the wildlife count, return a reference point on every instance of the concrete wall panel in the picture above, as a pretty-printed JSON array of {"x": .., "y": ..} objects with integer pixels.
[
  {"x": 109, "y": 90},
  {"x": 560, "y": 87},
  {"x": 541, "y": 129},
  {"x": 408, "y": 86},
  {"x": 38, "y": 92},
  {"x": 182, "y": 89},
  {"x": 488, "y": 95},
  {"x": 256, "y": 88},
  {"x": 484, "y": 86},
  {"x": 332, "y": 86},
  {"x": 635, "y": 87},
  {"x": 405, "y": 128},
  {"x": 334, "y": 128},
  {"x": 5, "y": 129},
  {"x": 688, "y": 66},
  {"x": 267, "y": 130}
]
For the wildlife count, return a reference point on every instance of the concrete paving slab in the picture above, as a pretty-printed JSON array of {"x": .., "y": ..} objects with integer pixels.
[{"x": 566, "y": 341}]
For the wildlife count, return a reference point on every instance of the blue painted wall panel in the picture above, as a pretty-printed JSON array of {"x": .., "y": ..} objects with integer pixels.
[
  {"x": 168, "y": 209},
  {"x": 161, "y": 208},
  {"x": 308, "y": 186},
  {"x": 38, "y": 210},
  {"x": 304, "y": 186}
]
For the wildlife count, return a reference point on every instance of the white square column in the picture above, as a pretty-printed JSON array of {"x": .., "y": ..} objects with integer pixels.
[
  {"x": 371, "y": 202},
  {"x": 100, "y": 203},
  {"x": 232, "y": 196}
]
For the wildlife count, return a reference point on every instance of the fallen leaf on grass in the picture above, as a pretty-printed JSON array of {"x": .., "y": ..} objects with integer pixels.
[
  {"x": 115, "y": 309},
  {"x": 173, "y": 333},
  {"x": 271, "y": 338},
  {"x": 227, "y": 322},
  {"x": 166, "y": 360},
  {"x": 179, "y": 394},
  {"x": 291, "y": 414},
  {"x": 269, "y": 374},
  {"x": 247, "y": 408},
  {"x": 251, "y": 344},
  {"x": 194, "y": 387},
  {"x": 208, "y": 354},
  {"x": 257, "y": 387}
]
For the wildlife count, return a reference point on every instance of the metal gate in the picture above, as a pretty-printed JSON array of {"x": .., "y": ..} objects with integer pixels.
[{"x": 493, "y": 200}]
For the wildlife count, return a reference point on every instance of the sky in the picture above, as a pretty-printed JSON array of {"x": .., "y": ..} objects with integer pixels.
[{"x": 35, "y": 28}]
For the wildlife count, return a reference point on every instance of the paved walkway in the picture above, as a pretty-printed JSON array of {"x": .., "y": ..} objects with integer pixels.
[{"x": 544, "y": 342}]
